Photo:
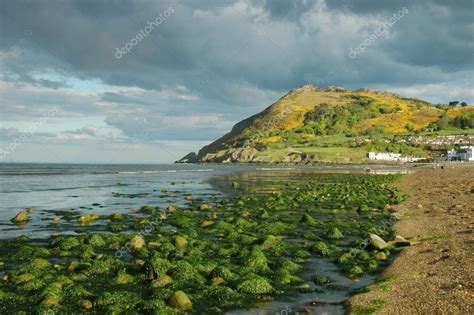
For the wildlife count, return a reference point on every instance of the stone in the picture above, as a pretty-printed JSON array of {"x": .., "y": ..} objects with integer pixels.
[
  {"x": 153, "y": 245},
  {"x": 20, "y": 217},
  {"x": 205, "y": 206},
  {"x": 180, "y": 242},
  {"x": 50, "y": 302},
  {"x": 86, "y": 218},
  {"x": 377, "y": 242},
  {"x": 380, "y": 256},
  {"x": 400, "y": 241},
  {"x": 86, "y": 304},
  {"x": 217, "y": 281},
  {"x": 180, "y": 300},
  {"x": 137, "y": 242},
  {"x": 207, "y": 223}
]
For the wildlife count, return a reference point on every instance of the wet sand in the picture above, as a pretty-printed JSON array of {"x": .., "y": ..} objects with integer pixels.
[{"x": 436, "y": 274}]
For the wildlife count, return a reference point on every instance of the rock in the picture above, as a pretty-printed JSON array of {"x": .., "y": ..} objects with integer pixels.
[
  {"x": 207, "y": 223},
  {"x": 116, "y": 216},
  {"x": 137, "y": 242},
  {"x": 180, "y": 242},
  {"x": 50, "y": 302},
  {"x": 124, "y": 278},
  {"x": 205, "y": 206},
  {"x": 335, "y": 233},
  {"x": 400, "y": 241},
  {"x": 20, "y": 217},
  {"x": 377, "y": 242},
  {"x": 86, "y": 304},
  {"x": 217, "y": 281},
  {"x": 180, "y": 300},
  {"x": 86, "y": 218},
  {"x": 269, "y": 241},
  {"x": 380, "y": 256},
  {"x": 153, "y": 245},
  {"x": 161, "y": 281},
  {"x": 320, "y": 280}
]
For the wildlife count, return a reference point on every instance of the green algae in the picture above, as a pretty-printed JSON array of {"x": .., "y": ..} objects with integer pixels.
[{"x": 250, "y": 247}]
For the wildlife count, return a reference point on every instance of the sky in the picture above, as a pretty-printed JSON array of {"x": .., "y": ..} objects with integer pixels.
[{"x": 93, "y": 81}]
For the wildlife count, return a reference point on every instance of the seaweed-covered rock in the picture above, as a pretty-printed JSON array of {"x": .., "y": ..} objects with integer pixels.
[
  {"x": 137, "y": 242},
  {"x": 321, "y": 248},
  {"x": 335, "y": 234},
  {"x": 180, "y": 300},
  {"x": 180, "y": 242},
  {"x": 87, "y": 218},
  {"x": 123, "y": 278},
  {"x": 269, "y": 241},
  {"x": 255, "y": 285},
  {"x": 307, "y": 219},
  {"x": 97, "y": 241},
  {"x": 20, "y": 217},
  {"x": 161, "y": 282},
  {"x": 40, "y": 263},
  {"x": 257, "y": 261},
  {"x": 205, "y": 206},
  {"x": 66, "y": 243}
]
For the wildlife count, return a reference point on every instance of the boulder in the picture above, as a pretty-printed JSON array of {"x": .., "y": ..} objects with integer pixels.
[
  {"x": 180, "y": 300},
  {"x": 377, "y": 242}
]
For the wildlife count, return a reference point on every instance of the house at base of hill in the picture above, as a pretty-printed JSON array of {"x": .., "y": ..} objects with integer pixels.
[
  {"x": 394, "y": 157},
  {"x": 463, "y": 153}
]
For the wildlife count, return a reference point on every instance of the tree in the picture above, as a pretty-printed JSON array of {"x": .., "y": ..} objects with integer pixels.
[
  {"x": 453, "y": 103},
  {"x": 463, "y": 104}
]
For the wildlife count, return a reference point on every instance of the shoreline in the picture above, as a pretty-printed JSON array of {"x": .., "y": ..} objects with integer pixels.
[{"x": 432, "y": 276}]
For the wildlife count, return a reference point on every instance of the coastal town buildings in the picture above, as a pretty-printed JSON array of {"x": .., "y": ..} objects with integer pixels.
[
  {"x": 463, "y": 153},
  {"x": 395, "y": 157}
]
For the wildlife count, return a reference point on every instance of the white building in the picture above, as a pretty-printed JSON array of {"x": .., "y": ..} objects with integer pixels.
[
  {"x": 464, "y": 153},
  {"x": 387, "y": 156}
]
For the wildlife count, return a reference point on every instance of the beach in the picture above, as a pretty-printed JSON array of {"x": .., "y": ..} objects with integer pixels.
[{"x": 435, "y": 275}]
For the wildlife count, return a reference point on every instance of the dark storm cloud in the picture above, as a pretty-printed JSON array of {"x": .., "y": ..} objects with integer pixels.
[{"x": 233, "y": 58}]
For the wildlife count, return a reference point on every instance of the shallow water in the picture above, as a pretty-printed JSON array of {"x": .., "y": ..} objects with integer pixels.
[{"x": 104, "y": 189}]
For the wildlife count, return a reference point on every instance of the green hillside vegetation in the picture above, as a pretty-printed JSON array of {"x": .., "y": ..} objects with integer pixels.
[{"x": 338, "y": 125}]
